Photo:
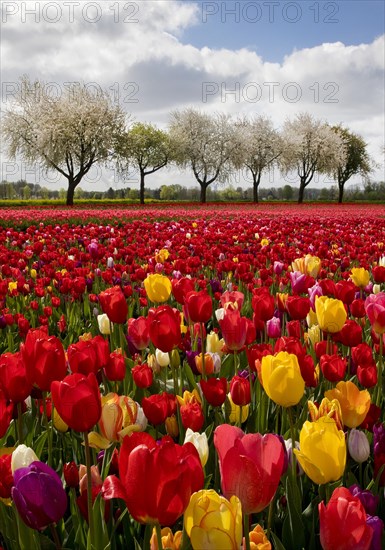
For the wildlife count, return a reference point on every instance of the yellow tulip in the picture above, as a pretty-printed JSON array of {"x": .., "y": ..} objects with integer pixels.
[
  {"x": 214, "y": 344},
  {"x": 258, "y": 539},
  {"x": 309, "y": 265},
  {"x": 235, "y": 412},
  {"x": 311, "y": 319},
  {"x": 332, "y": 409},
  {"x": 162, "y": 255},
  {"x": 158, "y": 287},
  {"x": 360, "y": 276},
  {"x": 118, "y": 418},
  {"x": 169, "y": 540},
  {"x": 313, "y": 335},
  {"x": 312, "y": 265},
  {"x": 331, "y": 314},
  {"x": 212, "y": 521},
  {"x": 354, "y": 403},
  {"x": 322, "y": 453},
  {"x": 58, "y": 422},
  {"x": 281, "y": 378}
]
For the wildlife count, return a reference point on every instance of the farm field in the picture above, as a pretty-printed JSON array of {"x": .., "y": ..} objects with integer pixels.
[{"x": 157, "y": 362}]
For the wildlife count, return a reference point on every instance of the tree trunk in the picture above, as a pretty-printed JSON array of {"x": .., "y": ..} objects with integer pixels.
[
  {"x": 141, "y": 190},
  {"x": 256, "y": 180},
  {"x": 203, "y": 192},
  {"x": 70, "y": 193},
  {"x": 301, "y": 191},
  {"x": 340, "y": 192}
]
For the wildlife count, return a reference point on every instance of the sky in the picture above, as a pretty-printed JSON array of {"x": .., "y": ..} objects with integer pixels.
[{"x": 275, "y": 58}]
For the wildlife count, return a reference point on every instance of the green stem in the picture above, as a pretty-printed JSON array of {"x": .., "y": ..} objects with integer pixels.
[
  {"x": 47, "y": 427},
  {"x": 270, "y": 517},
  {"x": 203, "y": 352},
  {"x": 20, "y": 423},
  {"x": 292, "y": 435},
  {"x": 246, "y": 533},
  {"x": 89, "y": 490},
  {"x": 55, "y": 537},
  {"x": 379, "y": 381},
  {"x": 159, "y": 536}
]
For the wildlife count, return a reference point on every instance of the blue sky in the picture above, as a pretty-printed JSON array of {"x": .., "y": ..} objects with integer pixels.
[{"x": 273, "y": 30}]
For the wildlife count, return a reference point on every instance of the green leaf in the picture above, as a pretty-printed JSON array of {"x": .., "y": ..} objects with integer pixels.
[
  {"x": 293, "y": 528},
  {"x": 276, "y": 542}
]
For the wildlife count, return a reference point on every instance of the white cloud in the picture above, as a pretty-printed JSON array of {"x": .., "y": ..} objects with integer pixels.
[{"x": 335, "y": 82}]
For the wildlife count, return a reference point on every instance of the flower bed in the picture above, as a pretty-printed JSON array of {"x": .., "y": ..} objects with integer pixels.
[{"x": 158, "y": 362}]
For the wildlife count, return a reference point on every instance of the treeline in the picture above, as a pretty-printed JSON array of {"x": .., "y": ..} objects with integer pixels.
[{"x": 22, "y": 190}]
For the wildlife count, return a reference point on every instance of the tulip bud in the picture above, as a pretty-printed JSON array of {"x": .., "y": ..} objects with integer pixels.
[
  {"x": 200, "y": 443},
  {"x": 174, "y": 359},
  {"x": 171, "y": 425},
  {"x": 273, "y": 327},
  {"x": 162, "y": 358},
  {"x": 358, "y": 445},
  {"x": 104, "y": 324},
  {"x": 22, "y": 457},
  {"x": 71, "y": 474}
]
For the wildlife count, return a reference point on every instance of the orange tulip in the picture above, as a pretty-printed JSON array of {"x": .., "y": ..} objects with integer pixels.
[{"x": 354, "y": 403}]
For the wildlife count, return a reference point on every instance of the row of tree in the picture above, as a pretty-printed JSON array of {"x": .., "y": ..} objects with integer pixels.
[
  {"x": 21, "y": 190},
  {"x": 72, "y": 134}
]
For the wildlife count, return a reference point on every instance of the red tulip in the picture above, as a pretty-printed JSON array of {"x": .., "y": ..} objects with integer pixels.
[
  {"x": 192, "y": 416},
  {"x": 240, "y": 391},
  {"x": 350, "y": 334},
  {"x": 234, "y": 329},
  {"x": 88, "y": 355},
  {"x": 6, "y": 477},
  {"x": 214, "y": 391},
  {"x": 115, "y": 369},
  {"x": 263, "y": 305},
  {"x": 181, "y": 287},
  {"x": 367, "y": 375},
  {"x": 114, "y": 304},
  {"x": 234, "y": 297},
  {"x": 77, "y": 400},
  {"x": 138, "y": 332},
  {"x": 343, "y": 522},
  {"x": 157, "y": 479},
  {"x": 345, "y": 291},
  {"x": 142, "y": 375},
  {"x": 256, "y": 352},
  {"x": 44, "y": 358},
  {"x": 6, "y": 411},
  {"x": 357, "y": 308},
  {"x": 71, "y": 474},
  {"x": 13, "y": 379},
  {"x": 297, "y": 307},
  {"x": 378, "y": 273},
  {"x": 250, "y": 465},
  {"x": 164, "y": 325},
  {"x": 156, "y": 408},
  {"x": 333, "y": 367},
  {"x": 199, "y": 306}
]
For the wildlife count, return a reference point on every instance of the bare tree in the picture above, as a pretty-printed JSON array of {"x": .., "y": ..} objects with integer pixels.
[
  {"x": 260, "y": 145},
  {"x": 205, "y": 143},
  {"x": 69, "y": 134},
  {"x": 310, "y": 146}
]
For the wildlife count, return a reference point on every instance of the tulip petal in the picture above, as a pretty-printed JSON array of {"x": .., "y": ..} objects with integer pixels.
[
  {"x": 113, "y": 488},
  {"x": 212, "y": 540}
]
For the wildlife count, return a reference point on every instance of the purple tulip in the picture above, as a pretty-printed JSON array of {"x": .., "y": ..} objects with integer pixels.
[
  {"x": 369, "y": 501},
  {"x": 378, "y": 528},
  {"x": 38, "y": 495}
]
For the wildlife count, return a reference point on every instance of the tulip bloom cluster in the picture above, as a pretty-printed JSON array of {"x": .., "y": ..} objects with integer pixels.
[{"x": 192, "y": 375}]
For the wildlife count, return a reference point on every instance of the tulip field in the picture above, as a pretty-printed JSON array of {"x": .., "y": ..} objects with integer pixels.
[{"x": 192, "y": 377}]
